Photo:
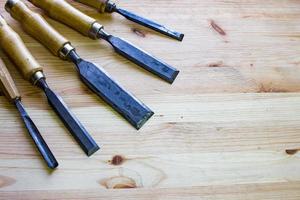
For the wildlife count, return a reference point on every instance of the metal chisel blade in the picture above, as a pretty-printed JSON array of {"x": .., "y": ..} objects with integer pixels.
[
  {"x": 81, "y": 135},
  {"x": 36, "y": 136},
  {"x": 111, "y": 92},
  {"x": 150, "y": 24},
  {"x": 143, "y": 59}
]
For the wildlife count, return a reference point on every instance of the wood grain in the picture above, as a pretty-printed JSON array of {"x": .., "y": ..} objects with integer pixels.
[{"x": 228, "y": 128}]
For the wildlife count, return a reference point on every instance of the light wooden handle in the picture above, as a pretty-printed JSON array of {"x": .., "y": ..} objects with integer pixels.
[
  {"x": 98, "y": 4},
  {"x": 62, "y": 11},
  {"x": 13, "y": 45},
  {"x": 7, "y": 84},
  {"x": 35, "y": 25}
]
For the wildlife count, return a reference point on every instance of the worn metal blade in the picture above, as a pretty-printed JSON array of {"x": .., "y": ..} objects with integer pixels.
[
  {"x": 37, "y": 137},
  {"x": 150, "y": 24},
  {"x": 81, "y": 135},
  {"x": 95, "y": 77},
  {"x": 143, "y": 59}
]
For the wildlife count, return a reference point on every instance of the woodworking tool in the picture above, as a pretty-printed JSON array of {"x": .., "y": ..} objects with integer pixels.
[
  {"x": 62, "y": 11},
  {"x": 94, "y": 77},
  {"x": 12, "y": 44},
  {"x": 10, "y": 90},
  {"x": 110, "y": 7}
]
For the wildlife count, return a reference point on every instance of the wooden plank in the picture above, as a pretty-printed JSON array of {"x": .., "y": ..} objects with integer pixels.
[
  {"x": 266, "y": 191},
  {"x": 148, "y": 171},
  {"x": 207, "y": 122},
  {"x": 221, "y": 146},
  {"x": 228, "y": 128}
]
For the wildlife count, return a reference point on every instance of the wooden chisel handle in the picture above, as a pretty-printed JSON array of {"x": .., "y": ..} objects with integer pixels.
[
  {"x": 7, "y": 84},
  {"x": 13, "y": 45},
  {"x": 62, "y": 11},
  {"x": 100, "y": 5},
  {"x": 35, "y": 25}
]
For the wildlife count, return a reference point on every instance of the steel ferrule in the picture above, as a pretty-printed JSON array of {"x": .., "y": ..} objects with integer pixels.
[
  {"x": 64, "y": 52},
  {"x": 110, "y": 6},
  {"x": 96, "y": 27},
  {"x": 37, "y": 76}
]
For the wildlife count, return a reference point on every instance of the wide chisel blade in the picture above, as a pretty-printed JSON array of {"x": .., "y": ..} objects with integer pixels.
[
  {"x": 111, "y": 92},
  {"x": 150, "y": 24},
  {"x": 36, "y": 136},
  {"x": 71, "y": 122},
  {"x": 142, "y": 58}
]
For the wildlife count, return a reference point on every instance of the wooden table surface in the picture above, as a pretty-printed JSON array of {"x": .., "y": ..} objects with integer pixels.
[{"x": 228, "y": 128}]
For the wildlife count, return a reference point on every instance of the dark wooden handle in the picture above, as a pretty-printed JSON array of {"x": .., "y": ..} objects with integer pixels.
[
  {"x": 7, "y": 84},
  {"x": 13, "y": 45},
  {"x": 35, "y": 25}
]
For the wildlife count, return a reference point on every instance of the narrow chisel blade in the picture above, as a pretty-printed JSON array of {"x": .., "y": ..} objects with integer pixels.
[
  {"x": 150, "y": 24},
  {"x": 81, "y": 135},
  {"x": 111, "y": 92},
  {"x": 36, "y": 136},
  {"x": 143, "y": 59}
]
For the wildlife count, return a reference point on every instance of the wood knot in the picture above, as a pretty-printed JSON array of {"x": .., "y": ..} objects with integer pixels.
[
  {"x": 216, "y": 64},
  {"x": 119, "y": 182},
  {"x": 6, "y": 181},
  {"x": 217, "y": 28},
  {"x": 269, "y": 89},
  {"x": 117, "y": 160},
  {"x": 291, "y": 151},
  {"x": 138, "y": 32}
]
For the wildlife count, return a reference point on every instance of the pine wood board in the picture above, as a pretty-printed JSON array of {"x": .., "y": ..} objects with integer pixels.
[{"x": 228, "y": 128}]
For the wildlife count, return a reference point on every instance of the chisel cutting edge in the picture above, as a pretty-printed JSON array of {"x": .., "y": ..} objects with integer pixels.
[
  {"x": 62, "y": 11},
  {"x": 93, "y": 76},
  {"x": 9, "y": 88},
  {"x": 12, "y": 44},
  {"x": 110, "y": 7}
]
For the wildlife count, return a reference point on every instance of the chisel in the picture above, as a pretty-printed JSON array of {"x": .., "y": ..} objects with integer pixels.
[
  {"x": 62, "y": 11},
  {"x": 10, "y": 90},
  {"x": 12, "y": 44},
  {"x": 110, "y": 7},
  {"x": 93, "y": 76}
]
